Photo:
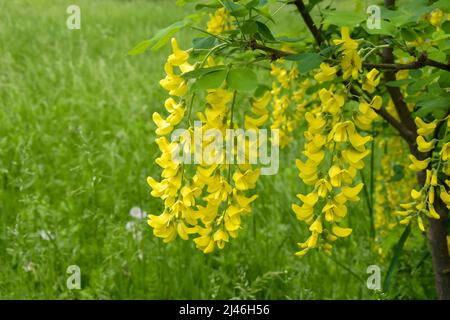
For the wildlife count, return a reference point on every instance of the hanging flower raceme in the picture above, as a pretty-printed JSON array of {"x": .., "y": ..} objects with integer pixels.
[
  {"x": 288, "y": 101},
  {"x": 334, "y": 151},
  {"x": 434, "y": 163},
  {"x": 219, "y": 22},
  {"x": 351, "y": 61},
  {"x": 207, "y": 198}
]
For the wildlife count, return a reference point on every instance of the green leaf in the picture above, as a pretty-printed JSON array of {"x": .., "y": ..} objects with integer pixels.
[
  {"x": 212, "y": 5},
  {"x": 197, "y": 73},
  {"x": 311, "y": 4},
  {"x": 242, "y": 79},
  {"x": 306, "y": 61},
  {"x": 437, "y": 106},
  {"x": 264, "y": 31},
  {"x": 231, "y": 6},
  {"x": 162, "y": 36},
  {"x": 140, "y": 48},
  {"x": 441, "y": 4},
  {"x": 252, "y": 4},
  {"x": 399, "y": 172},
  {"x": 408, "y": 34},
  {"x": 210, "y": 80},
  {"x": 397, "y": 252},
  {"x": 235, "y": 9},
  {"x": 386, "y": 28},
  {"x": 289, "y": 39},
  {"x": 344, "y": 18},
  {"x": 399, "y": 83},
  {"x": 444, "y": 79},
  {"x": 249, "y": 27},
  {"x": 204, "y": 43}
]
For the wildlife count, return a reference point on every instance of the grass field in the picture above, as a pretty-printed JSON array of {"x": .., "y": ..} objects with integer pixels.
[{"x": 76, "y": 146}]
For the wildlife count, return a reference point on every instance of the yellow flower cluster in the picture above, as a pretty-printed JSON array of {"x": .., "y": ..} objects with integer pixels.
[
  {"x": 437, "y": 17},
  {"x": 219, "y": 22},
  {"x": 208, "y": 200},
  {"x": 260, "y": 110},
  {"x": 423, "y": 200},
  {"x": 392, "y": 185},
  {"x": 351, "y": 61},
  {"x": 283, "y": 117},
  {"x": 329, "y": 137}
]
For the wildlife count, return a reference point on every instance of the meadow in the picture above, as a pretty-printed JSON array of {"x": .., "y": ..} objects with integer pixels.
[{"x": 76, "y": 146}]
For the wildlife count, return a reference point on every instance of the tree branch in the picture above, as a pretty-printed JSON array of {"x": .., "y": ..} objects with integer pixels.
[
  {"x": 275, "y": 54},
  {"x": 309, "y": 21},
  {"x": 420, "y": 63},
  {"x": 402, "y": 129}
]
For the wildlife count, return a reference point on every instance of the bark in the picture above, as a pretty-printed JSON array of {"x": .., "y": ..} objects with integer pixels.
[{"x": 437, "y": 240}]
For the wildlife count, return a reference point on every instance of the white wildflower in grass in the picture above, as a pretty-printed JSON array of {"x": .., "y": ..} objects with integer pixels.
[{"x": 137, "y": 213}]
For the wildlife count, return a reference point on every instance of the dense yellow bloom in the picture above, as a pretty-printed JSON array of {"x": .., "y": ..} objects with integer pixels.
[
  {"x": 331, "y": 102},
  {"x": 219, "y": 22},
  {"x": 173, "y": 83},
  {"x": 351, "y": 61},
  {"x": 348, "y": 44},
  {"x": 351, "y": 64},
  {"x": 372, "y": 81},
  {"x": 326, "y": 73},
  {"x": 436, "y": 17}
]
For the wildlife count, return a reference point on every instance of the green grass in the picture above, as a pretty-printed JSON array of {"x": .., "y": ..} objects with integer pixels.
[{"x": 76, "y": 146}]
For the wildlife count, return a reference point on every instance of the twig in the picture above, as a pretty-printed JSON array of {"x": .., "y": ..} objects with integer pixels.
[
  {"x": 309, "y": 21},
  {"x": 420, "y": 63}
]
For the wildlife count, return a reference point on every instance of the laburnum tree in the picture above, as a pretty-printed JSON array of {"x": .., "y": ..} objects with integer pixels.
[{"x": 351, "y": 87}]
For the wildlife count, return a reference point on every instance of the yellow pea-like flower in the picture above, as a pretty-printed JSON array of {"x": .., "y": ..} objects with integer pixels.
[
  {"x": 323, "y": 187},
  {"x": 326, "y": 73},
  {"x": 418, "y": 165},
  {"x": 220, "y": 237},
  {"x": 431, "y": 195},
  {"x": 445, "y": 196},
  {"x": 420, "y": 224},
  {"x": 178, "y": 57},
  {"x": 423, "y": 145},
  {"x": 445, "y": 152},
  {"x": 246, "y": 180},
  {"x": 316, "y": 226},
  {"x": 315, "y": 122},
  {"x": 310, "y": 199},
  {"x": 302, "y": 212},
  {"x": 347, "y": 42},
  {"x": 354, "y": 158},
  {"x": 424, "y": 128},
  {"x": 341, "y": 232},
  {"x": 372, "y": 80},
  {"x": 416, "y": 194},
  {"x": 432, "y": 212},
  {"x": 351, "y": 193}
]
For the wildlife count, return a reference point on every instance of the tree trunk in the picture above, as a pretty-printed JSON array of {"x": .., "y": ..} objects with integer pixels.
[{"x": 437, "y": 240}]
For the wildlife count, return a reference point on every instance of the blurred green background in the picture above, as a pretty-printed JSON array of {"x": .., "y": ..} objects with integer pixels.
[{"x": 76, "y": 146}]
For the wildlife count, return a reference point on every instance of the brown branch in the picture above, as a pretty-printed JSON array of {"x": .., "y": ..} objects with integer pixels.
[
  {"x": 401, "y": 128},
  {"x": 309, "y": 21},
  {"x": 420, "y": 63},
  {"x": 275, "y": 54}
]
